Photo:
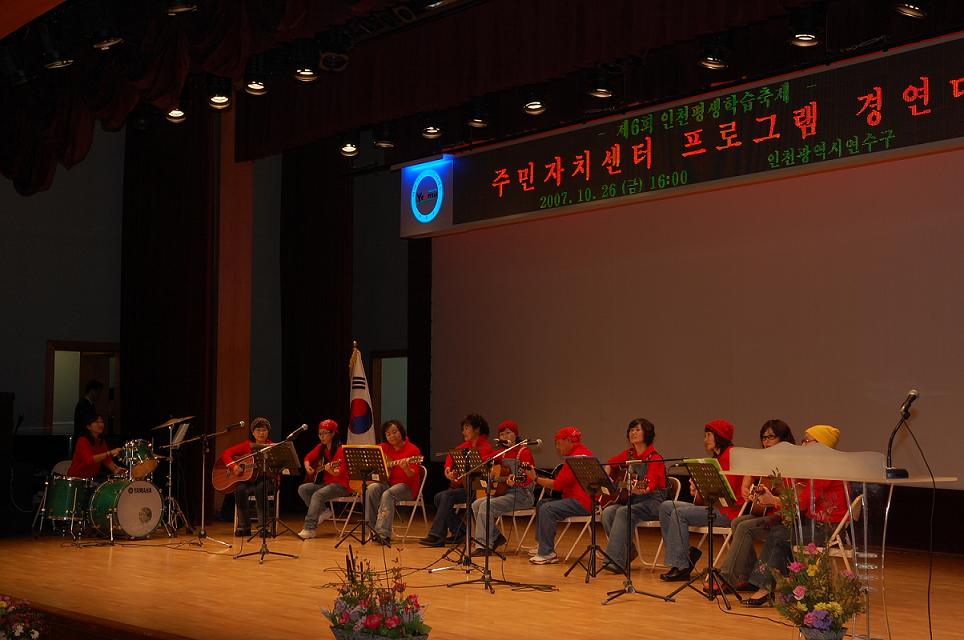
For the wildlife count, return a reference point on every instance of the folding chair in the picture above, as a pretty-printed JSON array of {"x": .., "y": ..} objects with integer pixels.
[
  {"x": 527, "y": 511},
  {"x": 839, "y": 539},
  {"x": 674, "y": 487},
  {"x": 419, "y": 501},
  {"x": 586, "y": 520},
  {"x": 354, "y": 500},
  {"x": 719, "y": 530},
  {"x": 253, "y": 513}
]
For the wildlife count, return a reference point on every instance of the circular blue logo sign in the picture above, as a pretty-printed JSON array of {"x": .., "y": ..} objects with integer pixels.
[{"x": 427, "y": 195}]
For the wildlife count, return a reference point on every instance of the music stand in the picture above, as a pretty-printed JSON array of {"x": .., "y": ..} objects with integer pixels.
[
  {"x": 715, "y": 489},
  {"x": 465, "y": 462},
  {"x": 628, "y": 586},
  {"x": 594, "y": 480},
  {"x": 366, "y": 462},
  {"x": 272, "y": 458}
]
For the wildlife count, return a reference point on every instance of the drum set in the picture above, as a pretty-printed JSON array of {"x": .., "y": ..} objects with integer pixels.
[{"x": 127, "y": 506}]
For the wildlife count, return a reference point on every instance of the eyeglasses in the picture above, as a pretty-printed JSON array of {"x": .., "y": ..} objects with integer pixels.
[
  {"x": 768, "y": 437},
  {"x": 807, "y": 440}
]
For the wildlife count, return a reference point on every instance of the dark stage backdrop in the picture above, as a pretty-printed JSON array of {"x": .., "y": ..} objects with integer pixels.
[{"x": 819, "y": 299}]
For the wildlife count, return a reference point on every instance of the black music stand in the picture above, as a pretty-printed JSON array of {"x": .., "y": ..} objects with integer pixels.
[
  {"x": 366, "y": 462},
  {"x": 715, "y": 489},
  {"x": 594, "y": 480},
  {"x": 628, "y": 586},
  {"x": 272, "y": 459},
  {"x": 466, "y": 463}
]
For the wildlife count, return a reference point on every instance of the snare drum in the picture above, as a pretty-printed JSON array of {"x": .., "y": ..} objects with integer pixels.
[
  {"x": 67, "y": 498},
  {"x": 138, "y": 456},
  {"x": 135, "y": 507}
]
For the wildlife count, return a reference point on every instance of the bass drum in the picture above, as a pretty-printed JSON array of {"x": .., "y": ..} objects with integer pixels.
[{"x": 135, "y": 508}]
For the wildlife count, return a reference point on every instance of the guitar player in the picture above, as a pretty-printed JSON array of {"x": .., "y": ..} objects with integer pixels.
[
  {"x": 648, "y": 492},
  {"x": 403, "y": 481},
  {"x": 258, "y": 485},
  {"x": 326, "y": 477},
  {"x": 511, "y": 491}
]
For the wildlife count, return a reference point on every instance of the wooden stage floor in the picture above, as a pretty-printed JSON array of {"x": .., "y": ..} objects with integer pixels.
[{"x": 151, "y": 589}]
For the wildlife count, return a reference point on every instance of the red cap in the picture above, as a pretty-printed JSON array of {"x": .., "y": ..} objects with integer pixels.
[
  {"x": 328, "y": 425},
  {"x": 722, "y": 428},
  {"x": 510, "y": 425},
  {"x": 572, "y": 434}
]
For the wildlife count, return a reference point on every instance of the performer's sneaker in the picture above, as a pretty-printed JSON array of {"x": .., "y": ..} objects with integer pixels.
[
  {"x": 533, "y": 551},
  {"x": 549, "y": 558},
  {"x": 304, "y": 534},
  {"x": 325, "y": 515}
]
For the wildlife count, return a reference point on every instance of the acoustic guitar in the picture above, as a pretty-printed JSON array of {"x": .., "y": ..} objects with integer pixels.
[
  {"x": 625, "y": 482},
  {"x": 500, "y": 479},
  {"x": 756, "y": 507}
]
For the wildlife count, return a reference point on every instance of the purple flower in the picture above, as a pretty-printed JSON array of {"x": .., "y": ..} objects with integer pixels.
[
  {"x": 799, "y": 592},
  {"x": 819, "y": 619}
]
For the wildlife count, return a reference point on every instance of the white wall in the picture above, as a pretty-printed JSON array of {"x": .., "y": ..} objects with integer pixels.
[{"x": 815, "y": 299}]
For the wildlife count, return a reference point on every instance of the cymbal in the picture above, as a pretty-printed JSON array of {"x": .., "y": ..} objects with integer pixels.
[{"x": 171, "y": 423}]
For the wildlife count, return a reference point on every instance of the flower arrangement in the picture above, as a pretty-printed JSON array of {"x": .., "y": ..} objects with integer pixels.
[
  {"x": 19, "y": 620},
  {"x": 366, "y": 607},
  {"x": 814, "y": 595}
]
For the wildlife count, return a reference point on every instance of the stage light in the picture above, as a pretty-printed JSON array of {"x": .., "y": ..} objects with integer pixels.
[
  {"x": 219, "y": 92},
  {"x": 349, "y": 149},
  {"x": 334, "y": 46},
  {"x": 598, "y": 85},
  {"x": 431, "y": 132},
  {"x": 534, "y": 106},
  {"x": 178, "y": 7},
  {"x": 478, "y": 117},
  {"x": 255, "y": 76},
  {"x": 713, "y": 58},
  {"x": 807, "y": 25},
  {"x": 176, "y": 115},
  {"x": 382, "y": 138},
  {"x": 918, "y": 9},
  {"x": 51, "y": 54},
  {"x": 304, "y": 54}
]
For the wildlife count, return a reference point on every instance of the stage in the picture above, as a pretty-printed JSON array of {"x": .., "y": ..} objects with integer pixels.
[{"x": 159, "y": 589}]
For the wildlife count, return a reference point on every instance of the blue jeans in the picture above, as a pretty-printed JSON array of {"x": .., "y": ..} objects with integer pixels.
[
  {"x": 548, "y": 516},
  {"x": 645, "y": 507},
  {"x": 380, "y": 501},
  {"x": 741, "y": 559},
  {"x": 674, "y": 519},
  {"x": 446, "y": 520},
  {"x": 777, "y": 552},
  {"x": 315, "y": 496},
  {"x": 515, "y": 498}
]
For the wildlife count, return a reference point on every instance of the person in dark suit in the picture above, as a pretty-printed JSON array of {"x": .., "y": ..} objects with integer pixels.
[{"x": 86, "y": 408}]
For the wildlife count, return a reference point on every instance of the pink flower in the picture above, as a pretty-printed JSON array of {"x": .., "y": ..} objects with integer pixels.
[
  {"x": 373, "y": 621},
  {"x": 799, "y": 592},
  {"x": 364, "y": 603},
  {"x": 811, "y": 549},
  {"x": 796, "y": 567},
  {"x": 413, "y": 600},
  {"x": 392, "y": 621},
  {"x": 344, "y": 618}
]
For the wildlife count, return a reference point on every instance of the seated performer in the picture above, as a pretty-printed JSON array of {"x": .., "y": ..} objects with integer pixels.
[
  {"x": 829, "y": 506},
  {"x": 648, "y": 492},
  {"x": 90, "y": 452},
  {"x": 518, "y": 496},
  {"x": 574, "y": 502},
  {"x": 475, "y": 435},
  {"x": 326, "y": 476},
  {"x": 676, "y": 517},
  {"x": 259, "y": 485},
  {"x": 403, "y": 481},
  {"x": 741, "y": 559}
]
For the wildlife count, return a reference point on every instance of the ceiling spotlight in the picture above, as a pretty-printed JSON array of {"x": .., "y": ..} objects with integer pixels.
[
  {"x": 431, "y": 132},
  {"x": 349, "y": 149},
  {"x": 255, "y": 87},
  {"x": 534, "y": 107},
  {"x": 255, "y": 76},
  {"x": 807, "y": 25},
  {"x": 176, "y": 115},
  {"x": 713, "y": 58},
  {"x": 178, "y": 7},
  {"x": 477, "y": 122},
  {"x": 52, "y": 55},
  {"x": 382, "y": 138},
  {"x": 334, "y": 46},
  {"x": 918, "y": 9},
  {"x": 478, "y": 117},
  {"x": 805, "y": 39},
  {"x": 598, "y": 85},
  {"x": 305, "y": 74},
  {"x": 219, "y": 92},
  {"x": 105, "y": 42},
  {"x": 304, "y": 54}
]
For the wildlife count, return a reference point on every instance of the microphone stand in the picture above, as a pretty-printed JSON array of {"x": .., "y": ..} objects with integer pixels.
[
  {"x": 202, "y": 533},
  {"x": 628, "y": 586},
  {"x": 487, "y": 580},
  {"x": 263, "y": 531},
  {"x": 891, "y": 471}
]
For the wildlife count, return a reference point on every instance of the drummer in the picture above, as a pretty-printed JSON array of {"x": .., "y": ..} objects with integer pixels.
[{"x": 91, "y": 452}]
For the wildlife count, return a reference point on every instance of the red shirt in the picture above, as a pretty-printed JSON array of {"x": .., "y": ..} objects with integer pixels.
[
  {"x": 482, "y": 444},
  {"x": 655, "y": 470},
  {"x": 524, "y": 456},
  {"x": 82, "y": 465},
  {"x": 566, "y": 481},
  {"x": 243, "y": 448},
  {"x": 397, "y": 474},
  {"x": 327, "y": 478},
  {"x": 830, "y": 502},
  {"x": 736, "y": 483}
]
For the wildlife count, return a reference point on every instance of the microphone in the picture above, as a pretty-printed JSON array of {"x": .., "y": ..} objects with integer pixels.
[
  {"x": 909, "y": 400},
  {"x": 236, "y": 425},
  {"x": 533, "y": 442},
  {"x": 500, "y": 443},
  {"x": 291, "y": 435}
]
